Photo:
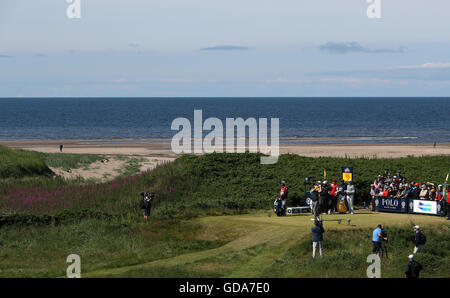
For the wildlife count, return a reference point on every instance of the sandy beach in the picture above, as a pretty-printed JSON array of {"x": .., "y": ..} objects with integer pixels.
[{"x": 160, "y": 148}]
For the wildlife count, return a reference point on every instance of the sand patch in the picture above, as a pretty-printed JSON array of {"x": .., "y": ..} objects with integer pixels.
[
  {"x": 111, "y": 167},
  {"x": 97, "y": 170}
]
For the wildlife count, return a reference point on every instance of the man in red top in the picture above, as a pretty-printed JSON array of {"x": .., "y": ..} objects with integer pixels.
[
  {"x": 439, "y": 193},
  {"x": 333, "y": 194},
  {"x": 283, "y": 197}
]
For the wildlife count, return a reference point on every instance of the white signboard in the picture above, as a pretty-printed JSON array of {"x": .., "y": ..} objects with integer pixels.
[
  {"x": 425, "y": 207},
  {"x": 295, "y": 210}
]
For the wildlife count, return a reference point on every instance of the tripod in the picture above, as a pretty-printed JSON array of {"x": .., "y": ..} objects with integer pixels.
[{"x": 384, "y": 249}]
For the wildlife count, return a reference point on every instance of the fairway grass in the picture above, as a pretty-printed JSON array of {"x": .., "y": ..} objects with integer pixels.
[{"x": 281, "y": 247}]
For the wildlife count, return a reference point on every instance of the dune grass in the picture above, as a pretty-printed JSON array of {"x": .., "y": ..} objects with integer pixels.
[
  {"x": 21, "y": 163},
  {"x": 67, "y": 161},
  {"x": 210, "y": 184}
]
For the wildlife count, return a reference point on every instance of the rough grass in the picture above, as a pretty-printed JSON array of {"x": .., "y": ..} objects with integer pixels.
[
  {"x": 281, "y": 247},
  {"x": 42, "y": 251},
  {"x": 21, "y": 163}
]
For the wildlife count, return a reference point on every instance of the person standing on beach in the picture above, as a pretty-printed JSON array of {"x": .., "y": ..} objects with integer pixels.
[{"x": 60, "y": 147}]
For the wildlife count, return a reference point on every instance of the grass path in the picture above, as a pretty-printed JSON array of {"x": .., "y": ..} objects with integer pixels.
[{"x": 261, "y": 239}]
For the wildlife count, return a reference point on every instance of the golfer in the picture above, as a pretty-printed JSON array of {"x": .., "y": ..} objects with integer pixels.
[{"x": 350, "y": 191}]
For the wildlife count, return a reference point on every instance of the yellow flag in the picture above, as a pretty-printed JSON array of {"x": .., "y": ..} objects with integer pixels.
[{"x": 325, "y": 173}]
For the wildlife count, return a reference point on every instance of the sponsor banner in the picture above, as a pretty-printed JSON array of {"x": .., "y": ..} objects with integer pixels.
[
  {"x": 296, "y": 210},
  {"x": 426, "y": 207},
  {"x": 390, "y": 205}
]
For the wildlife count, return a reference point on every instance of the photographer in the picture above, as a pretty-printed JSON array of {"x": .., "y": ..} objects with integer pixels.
[
  {"x": 413, "y": 268},
  {"x": 419, "y": 240},
  {"x": 377, "y": 237},
  {"x": 146, "y": 204},
  {"x": 317, "y": 237}
]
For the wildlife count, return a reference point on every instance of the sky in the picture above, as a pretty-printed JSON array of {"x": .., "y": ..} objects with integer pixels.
[{"x": 189, "y": 48}]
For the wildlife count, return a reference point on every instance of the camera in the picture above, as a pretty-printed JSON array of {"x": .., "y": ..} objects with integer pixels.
[{"x": 147, "y": 194}]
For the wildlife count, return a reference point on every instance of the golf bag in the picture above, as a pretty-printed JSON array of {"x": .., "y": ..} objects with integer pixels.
[
  {"x": 277, "y": 207},
  {"x": 342, "y": 207}
]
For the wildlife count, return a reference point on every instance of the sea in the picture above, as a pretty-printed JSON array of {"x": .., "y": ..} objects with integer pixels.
[{"x": 301, "y": 120}]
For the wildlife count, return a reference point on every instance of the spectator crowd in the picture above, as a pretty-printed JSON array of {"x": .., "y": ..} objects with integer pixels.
[{"x": 397, "y": 186}]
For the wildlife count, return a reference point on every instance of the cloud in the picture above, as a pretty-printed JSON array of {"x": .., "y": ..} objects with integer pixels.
[
  {"x": 225, "y": 48},
  {"x": 354, "y": 47},
  {"x": 5, "y": 56},
  {"x": 40, "y": 55},
  {"x": 120, "y": 80},
  {"x": 428, "y": 65},
  {"x": 133, "y": 45},
  {"x": 430, "y": 71},
  {"x": 336, "y": 80}
]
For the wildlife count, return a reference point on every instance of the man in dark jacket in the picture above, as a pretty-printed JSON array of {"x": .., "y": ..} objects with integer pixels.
[
  {"x": 416, "y": 192},
  {"x": 317, "y": 237},
  {"x": 147, "y": 198},
  {"x": 418, "y": 242},
  {"x": 324, "y": 197},
  {"x": 413, "y": 268},
  {"x": 314, "y": 200}
]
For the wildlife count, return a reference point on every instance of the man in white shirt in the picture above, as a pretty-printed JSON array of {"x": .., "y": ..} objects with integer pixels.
[{"x": 350, "y": 191}]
